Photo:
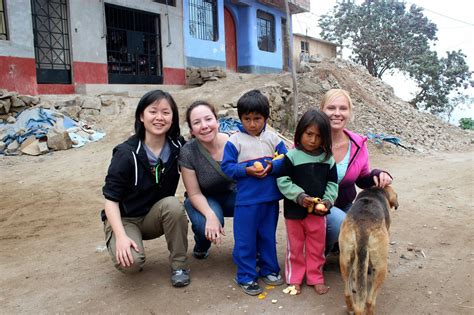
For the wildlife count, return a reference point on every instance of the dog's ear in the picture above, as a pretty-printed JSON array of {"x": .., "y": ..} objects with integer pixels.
[{"x": 391, "y": 197}]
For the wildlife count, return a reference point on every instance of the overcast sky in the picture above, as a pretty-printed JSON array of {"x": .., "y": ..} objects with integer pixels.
[{"x": 455, "y": 31}]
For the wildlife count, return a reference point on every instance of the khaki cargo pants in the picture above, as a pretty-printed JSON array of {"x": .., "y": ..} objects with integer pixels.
[{"x": 166, "y": 217}]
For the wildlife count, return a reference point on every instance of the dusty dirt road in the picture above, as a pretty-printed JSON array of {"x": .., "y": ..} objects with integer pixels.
[{"x": 51, "y": 239}]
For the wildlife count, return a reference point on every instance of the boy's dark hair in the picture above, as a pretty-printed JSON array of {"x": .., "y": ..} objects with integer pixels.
[
  {"x": 148, "y": 99},
  {"x": 319, "y": 119},
  {"x": 253, "y": 102},
  {"x": 196, "y": 104}
]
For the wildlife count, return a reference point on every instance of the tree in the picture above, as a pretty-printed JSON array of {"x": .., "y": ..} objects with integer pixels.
[
  {"x": 383, "y": 35},
  {"x": 466, "y": 123}
]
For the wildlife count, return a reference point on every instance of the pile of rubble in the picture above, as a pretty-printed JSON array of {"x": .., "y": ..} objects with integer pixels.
[
  {"x": 198, "y": 76},
  {"x": 377, "y": 109},
  {"x": 35, "y": 125}
]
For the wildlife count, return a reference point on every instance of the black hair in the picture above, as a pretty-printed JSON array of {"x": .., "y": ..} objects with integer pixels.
[
  {"x": 150, "y": 98},
  {"x": 196, "y": 104},
  {"x": 320, "y": 120},
  {"x": 253, "y": 102}
]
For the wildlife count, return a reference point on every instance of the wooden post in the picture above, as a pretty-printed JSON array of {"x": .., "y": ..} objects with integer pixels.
[{"x": 293, "y": 70}]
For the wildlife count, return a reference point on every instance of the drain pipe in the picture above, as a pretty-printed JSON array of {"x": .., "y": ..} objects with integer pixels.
[{"x": 168, "y": 22}]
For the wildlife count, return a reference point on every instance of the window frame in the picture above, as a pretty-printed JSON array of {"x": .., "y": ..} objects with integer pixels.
[
  {"x": 305, "y": 46},
  {"x": 203, "y": 29},
  {"x": 268, "y": 21},
  {"x": 3, "y": 14},
  {"x": 166, "y": 2}
]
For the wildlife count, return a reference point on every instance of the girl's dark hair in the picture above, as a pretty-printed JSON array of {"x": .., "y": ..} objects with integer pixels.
[
  {"x": 253, "y": 102},
  {"x": 319, "y": 119},
  {"x": 193, "y": 106},
  {"x": 150, "y": 98}
]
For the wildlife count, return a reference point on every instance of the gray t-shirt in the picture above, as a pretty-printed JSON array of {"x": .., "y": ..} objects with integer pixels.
[{"x": 211, "y": 181}]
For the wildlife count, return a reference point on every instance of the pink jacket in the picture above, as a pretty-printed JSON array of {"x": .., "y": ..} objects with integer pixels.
[{"x": 358, "y": 171}]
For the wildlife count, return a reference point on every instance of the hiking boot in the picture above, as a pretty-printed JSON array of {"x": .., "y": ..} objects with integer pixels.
[
  {"x": 180, "y": 278},
  {"x": 251, "y": 288},
  {"x": 200, "y": 255},
  {"x": 273, "y": 279}
]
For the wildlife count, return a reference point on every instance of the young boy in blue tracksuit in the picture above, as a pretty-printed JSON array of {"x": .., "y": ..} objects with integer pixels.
[{"x": 256, "y": 205}]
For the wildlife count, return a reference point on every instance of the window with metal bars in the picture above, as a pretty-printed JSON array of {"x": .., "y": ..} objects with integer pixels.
[
  {"x": 265, "y": 31},
  {"x": 203, "y": 19},
  {"x": 3, "y": 21},
  {"x": 304, "y": 47}
]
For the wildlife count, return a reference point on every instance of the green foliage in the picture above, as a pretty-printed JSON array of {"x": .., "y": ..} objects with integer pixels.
[
  {"x": 466, "y": 123},
  {"x": 384, "y": 35}
]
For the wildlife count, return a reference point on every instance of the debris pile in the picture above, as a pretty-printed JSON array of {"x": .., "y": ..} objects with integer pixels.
[{"x": 37, "y": 124}]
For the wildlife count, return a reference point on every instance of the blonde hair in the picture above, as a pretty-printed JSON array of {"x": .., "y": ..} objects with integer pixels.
[{"x": 334, "y": 93}]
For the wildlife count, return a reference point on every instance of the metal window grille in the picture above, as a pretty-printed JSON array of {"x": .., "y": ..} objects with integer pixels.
[
  {"x": 133, "y": 45},
  {"x": 51, "y": 39},
  {"x": 203, "y": 19},
  {"x": 3, "y": 21},
  {"x": 265, "y": 31}
]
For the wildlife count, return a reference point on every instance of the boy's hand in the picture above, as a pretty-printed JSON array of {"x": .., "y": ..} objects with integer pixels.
[
  {"x": 255, "y": 172},
  {"x": 307, "y": 202}
]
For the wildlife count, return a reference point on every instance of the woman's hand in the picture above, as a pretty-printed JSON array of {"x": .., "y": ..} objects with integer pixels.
[
  {"x": 382, "y": 180},
  {"x": 123, "y": 253},
  {"x": 214, "y": 229}
]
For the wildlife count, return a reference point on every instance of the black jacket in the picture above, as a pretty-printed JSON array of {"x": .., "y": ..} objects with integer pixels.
[{"x": 130, "y": 180}]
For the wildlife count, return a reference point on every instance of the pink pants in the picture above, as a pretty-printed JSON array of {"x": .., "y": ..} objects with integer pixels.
[{"x": 305, "y": 250}]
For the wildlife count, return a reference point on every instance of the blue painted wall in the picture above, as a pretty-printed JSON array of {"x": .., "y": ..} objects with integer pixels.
[{"x": 203, "y": 53}]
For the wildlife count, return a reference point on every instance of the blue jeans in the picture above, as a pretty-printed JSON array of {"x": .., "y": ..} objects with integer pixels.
[
  {"x": 222, "y": 205},
  {"x": 333, "y": 225}
]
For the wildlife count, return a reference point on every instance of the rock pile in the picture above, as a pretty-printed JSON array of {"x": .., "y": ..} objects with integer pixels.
[
  {"x": 377, "y": 109},
  {"x": 198, "y": 76}
]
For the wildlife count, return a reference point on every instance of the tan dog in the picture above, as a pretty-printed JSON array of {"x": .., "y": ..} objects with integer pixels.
[{"x": 363, "y": 244}]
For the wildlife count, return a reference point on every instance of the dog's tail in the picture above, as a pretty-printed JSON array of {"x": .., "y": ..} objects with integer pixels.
[{"x": 361, "y": 265}]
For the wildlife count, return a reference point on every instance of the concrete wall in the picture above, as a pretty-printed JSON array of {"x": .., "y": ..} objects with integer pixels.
[{"x": 317, "y": 48}]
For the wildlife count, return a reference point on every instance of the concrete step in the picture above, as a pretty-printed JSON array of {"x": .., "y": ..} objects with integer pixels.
[{"x": 130, "y": 90}]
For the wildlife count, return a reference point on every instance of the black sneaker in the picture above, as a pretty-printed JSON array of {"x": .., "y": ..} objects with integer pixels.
[
  {"x": 180, "y": 278},
  {"x": 200, "y": 255},
  {"x": 251, "y": 288}
]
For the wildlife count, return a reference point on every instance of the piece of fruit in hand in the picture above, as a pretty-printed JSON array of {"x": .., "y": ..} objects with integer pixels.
[
  {"x": 258, "y": 166},
  {"x": 321, "y": 207}
]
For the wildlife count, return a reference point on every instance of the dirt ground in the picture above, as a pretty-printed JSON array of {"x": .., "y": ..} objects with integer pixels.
[{"x": 52, "y": 258}]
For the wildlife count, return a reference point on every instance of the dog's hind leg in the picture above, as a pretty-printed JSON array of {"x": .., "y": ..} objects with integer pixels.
[
  {"x": 346, "y": 261},
  {"x": 378, "y": 261}
]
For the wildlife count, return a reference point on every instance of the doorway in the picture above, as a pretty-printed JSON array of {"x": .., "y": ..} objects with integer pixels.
[
  {"x": 230, "y": 41},
  {"x": 133, "y": 46}
]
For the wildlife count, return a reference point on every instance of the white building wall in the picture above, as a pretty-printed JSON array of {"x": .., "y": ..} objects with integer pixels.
[{"x": 20, "y": 30}]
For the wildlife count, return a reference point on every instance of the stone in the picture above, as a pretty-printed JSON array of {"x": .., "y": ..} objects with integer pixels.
[
  {"x": 29, "y": 100},
  {"x": 88, "y": 112},
  {"x": 43, "y": 147},
  {"x": 71, "y": 111},
  {"x": 110, "y": 110},
  {"x": 30, "y": 146},
  {"x": 58, "y": 140},
  {"x": 2, "y": 146},
  {"x": 92, "y": 103},
  {"x": 13, "y": 146},
  {"x": 16, "y": 102},
  {"x": 11, "y": 120},
  {"x": 5, "y": 105}
]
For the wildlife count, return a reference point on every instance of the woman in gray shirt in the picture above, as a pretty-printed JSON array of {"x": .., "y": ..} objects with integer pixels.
[{"x": 210, "y": 194}]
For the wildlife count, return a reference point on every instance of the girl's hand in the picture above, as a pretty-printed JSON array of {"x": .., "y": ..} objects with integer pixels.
[
  {"x": 214, "y": 229},
  {"x": 123, "y": 253},
  {"x": 307, "y": 201},
  {"x": 382, "y": 180}
]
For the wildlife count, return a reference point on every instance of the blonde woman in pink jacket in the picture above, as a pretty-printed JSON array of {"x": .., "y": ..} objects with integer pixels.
[{"x": 352, "y": 160}]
